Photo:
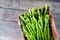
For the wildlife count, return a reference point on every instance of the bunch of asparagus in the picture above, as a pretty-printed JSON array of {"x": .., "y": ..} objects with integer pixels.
[{"x": 35, "y": 24}]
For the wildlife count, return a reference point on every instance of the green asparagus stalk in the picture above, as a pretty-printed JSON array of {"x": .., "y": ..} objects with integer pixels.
[
  {"x": 35, "y": 24},
  {"x": 46, "y": 19}
]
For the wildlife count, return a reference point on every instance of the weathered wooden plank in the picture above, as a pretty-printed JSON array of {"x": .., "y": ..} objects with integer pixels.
[
  {"x": 1, "y": 14},
  {"x": 19, "y": 4},
  {"x": 10, "y": 31},
  {"x": 57, "y": 18},
  {"x": 11, "y": 9},
  {"x": 9, "y": 14},
  {"x": 12, "y": 15},
  {"x": 58, "y": 32}
]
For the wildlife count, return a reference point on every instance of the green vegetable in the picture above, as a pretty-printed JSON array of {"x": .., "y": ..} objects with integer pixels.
[{"x": 35, "y": 24}]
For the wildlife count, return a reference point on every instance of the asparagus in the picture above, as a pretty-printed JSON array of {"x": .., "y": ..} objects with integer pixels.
[{"x": 35, "y": 24}]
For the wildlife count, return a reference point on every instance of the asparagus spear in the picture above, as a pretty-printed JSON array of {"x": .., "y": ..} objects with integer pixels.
[
  {"x": 46, "y": 29},
  {"x": 36, "y": 24}
]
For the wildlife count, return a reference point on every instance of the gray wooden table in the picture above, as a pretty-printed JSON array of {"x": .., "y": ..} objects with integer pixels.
[{"x": 11, "y": 9}]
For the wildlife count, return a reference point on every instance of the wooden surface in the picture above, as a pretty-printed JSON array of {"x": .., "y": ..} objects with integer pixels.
[{"x": 11, "y": 9}]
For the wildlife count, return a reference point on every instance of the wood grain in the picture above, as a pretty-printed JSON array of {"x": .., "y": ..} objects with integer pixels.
[{"x": 10, "y": 11}]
